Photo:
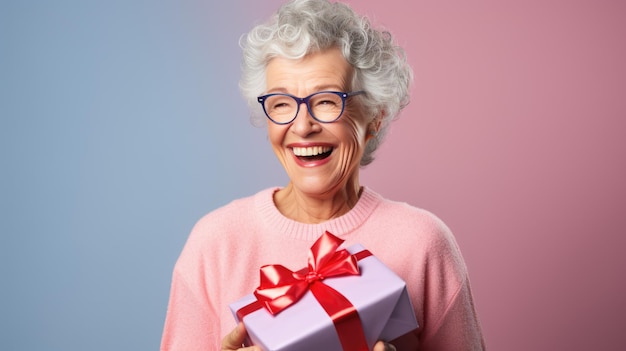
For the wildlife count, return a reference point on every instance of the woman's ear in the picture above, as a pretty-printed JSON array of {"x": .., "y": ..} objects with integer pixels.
[{"x": 374, "y": 126}]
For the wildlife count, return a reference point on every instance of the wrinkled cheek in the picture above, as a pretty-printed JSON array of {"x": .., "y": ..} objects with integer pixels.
[
  {"x": 351, "y": 157},
  {"x": 276, "y": 137}
]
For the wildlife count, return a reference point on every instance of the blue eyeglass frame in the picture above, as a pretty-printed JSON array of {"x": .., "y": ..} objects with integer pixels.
[{"x": 305, "y": 100}]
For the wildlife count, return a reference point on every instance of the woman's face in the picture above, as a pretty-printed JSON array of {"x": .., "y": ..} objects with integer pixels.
[{"x": 339, "y": 145}]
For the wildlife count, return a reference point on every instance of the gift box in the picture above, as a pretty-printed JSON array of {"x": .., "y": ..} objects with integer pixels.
[{"x": 344, "y": 300}]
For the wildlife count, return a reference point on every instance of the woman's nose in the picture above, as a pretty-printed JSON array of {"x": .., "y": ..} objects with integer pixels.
[{"x": 304, "y": 124}]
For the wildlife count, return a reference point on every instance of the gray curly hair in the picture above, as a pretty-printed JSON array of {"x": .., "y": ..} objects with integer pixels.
[{"x": 301, "y": 27}]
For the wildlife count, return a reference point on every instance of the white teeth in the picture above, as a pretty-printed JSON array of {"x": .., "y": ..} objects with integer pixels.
[{"x": 311, "y": 151}]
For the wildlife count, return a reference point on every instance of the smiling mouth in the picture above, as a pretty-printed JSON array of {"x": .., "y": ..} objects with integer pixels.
[{"x": 312, "y": 153}]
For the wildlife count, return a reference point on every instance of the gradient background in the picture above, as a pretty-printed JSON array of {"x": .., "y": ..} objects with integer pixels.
[{"x": 121, "y": 124}]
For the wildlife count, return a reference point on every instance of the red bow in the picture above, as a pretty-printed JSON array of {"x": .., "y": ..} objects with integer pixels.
[{"x": 281, "y": 288}]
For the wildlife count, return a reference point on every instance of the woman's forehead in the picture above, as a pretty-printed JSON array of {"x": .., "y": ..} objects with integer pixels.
[{"x": 323, "y": 70}]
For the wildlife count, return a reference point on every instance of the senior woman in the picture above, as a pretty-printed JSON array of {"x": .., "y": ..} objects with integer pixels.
[{"x": 328, "y": 86}]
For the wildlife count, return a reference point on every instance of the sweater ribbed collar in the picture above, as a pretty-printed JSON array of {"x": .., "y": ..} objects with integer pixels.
[{"x": 340, "y": 226}]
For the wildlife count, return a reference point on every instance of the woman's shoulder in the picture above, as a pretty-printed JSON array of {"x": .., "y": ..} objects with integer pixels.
[
  {"x": 418, "y": 235},
  {"x": 399, "y": 213},
  {"x": 414, "y": 225},
  {"x": 232, "y": 217}
]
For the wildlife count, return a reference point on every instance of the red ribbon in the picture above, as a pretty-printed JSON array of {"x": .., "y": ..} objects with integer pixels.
[{"x": 281, "y": 288}]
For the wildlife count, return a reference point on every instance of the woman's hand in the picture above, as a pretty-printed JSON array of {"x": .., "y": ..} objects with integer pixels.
[
  {"x": 383, "y": 346},
  {"x": 234, "y": 340}
]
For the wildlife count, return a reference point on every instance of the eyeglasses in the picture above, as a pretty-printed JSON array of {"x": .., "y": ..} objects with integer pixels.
[{"x": 323, "y": 106}]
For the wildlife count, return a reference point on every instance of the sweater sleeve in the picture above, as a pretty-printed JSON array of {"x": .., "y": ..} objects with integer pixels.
[
  {"x": 451, "y": 321},
  {"x": 189, "y": 319},
  {"x": 191, "y": 322},
  {"x": 458, "y": 327}
]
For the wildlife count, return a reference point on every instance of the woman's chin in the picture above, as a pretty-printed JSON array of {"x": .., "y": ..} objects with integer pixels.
[{"x": 315, "y": 187}]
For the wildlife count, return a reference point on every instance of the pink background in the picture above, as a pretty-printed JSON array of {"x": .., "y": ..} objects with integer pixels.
[{"x": 515, "y": 138}]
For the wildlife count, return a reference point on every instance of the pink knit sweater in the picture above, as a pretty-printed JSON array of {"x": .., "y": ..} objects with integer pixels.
[{"x": 220, "y": 263}]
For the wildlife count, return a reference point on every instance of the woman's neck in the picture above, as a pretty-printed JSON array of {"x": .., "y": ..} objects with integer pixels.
[{"x": 308, "y": 208}]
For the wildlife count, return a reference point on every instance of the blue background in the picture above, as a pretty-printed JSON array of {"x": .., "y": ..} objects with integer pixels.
[{"x": 121, "y": 124}]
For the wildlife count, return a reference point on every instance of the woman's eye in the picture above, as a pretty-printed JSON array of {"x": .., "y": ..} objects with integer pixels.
[
  {"x": 280, "y": 105},
  {"x": 326, "y": 103}
]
